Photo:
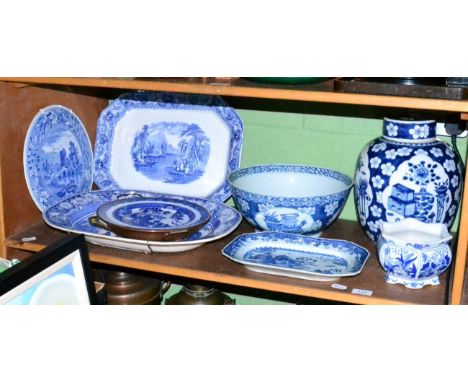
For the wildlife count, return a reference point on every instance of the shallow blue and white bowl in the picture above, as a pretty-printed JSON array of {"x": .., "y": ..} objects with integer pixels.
[
  {"x": 414, "y": 253},
  {"x": 289, "y": 198}
]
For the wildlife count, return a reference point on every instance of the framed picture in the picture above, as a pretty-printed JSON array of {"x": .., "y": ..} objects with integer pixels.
[{"x": 58, "y": 275}]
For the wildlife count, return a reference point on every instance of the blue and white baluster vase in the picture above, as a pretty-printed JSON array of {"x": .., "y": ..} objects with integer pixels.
[{"x": 407, "y": 173}]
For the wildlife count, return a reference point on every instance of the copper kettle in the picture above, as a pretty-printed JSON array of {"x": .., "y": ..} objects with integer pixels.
[{"x": 123, "y": 288}]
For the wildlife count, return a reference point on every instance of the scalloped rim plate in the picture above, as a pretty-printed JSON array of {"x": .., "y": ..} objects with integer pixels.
[
  {"x": 57, "y": 162},
  {"x": 71, "y": 215}
]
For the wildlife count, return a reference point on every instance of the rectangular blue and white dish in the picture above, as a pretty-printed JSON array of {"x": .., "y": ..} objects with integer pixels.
[
  {"x": 170, "y": 143},
  {"x": 298, "y": 256}
]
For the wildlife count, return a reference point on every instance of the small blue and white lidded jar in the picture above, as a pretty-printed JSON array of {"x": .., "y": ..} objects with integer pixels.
[{"x": 407, "y": 173}]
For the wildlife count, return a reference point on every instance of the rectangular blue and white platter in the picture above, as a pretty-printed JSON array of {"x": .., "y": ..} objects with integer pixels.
[
  {"x": 170, "y": 143},
  {"x": 297, "y": 256}
]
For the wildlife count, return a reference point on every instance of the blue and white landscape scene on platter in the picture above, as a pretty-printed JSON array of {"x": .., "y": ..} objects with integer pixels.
[
  {"x": 177, "y": 144},
  {"x": 294, "y": 259},
  {"x": 60, "y": 163},
  {"x": 58, "y": 156},
  {"x": 173, "y": 152}
]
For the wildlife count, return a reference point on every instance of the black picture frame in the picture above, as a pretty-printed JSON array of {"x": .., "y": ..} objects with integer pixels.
[{"x": 59, "y": 274}]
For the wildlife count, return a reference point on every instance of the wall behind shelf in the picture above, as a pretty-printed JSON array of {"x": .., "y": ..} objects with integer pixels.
[{"x": 319, "y": 140}]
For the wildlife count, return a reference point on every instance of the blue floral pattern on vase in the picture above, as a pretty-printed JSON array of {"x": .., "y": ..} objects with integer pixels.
[
  {"x": 57, "y": 156},
  {"x": 407, "y": 173},
  {"x": 173, "y": 143}
]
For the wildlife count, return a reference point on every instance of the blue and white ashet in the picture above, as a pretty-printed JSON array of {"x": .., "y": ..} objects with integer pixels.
[
  {"x": 414, "y": 253},
  {"x": 57, "y": 156},
  {"x": 71, "y": 215},
  {"x": 297, "y": 256},
  {"x": 150, "y": 214},
  {"x": 179, "y": 144},
  {"x": 290, "y": 198},
  {"x": 407, "y": 173}
]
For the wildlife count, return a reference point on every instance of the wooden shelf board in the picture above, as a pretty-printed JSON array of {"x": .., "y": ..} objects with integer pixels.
[
  {"x": 208, "y": 264},
  {"x": 238, "y": 87},
  {"x": 464, "y": 297}
]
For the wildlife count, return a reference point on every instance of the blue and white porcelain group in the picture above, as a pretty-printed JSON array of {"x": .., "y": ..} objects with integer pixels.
[
  {"x": 410, "y": 179},
  {"x": 190, "y": 145},
  {"x": 407, "y": 178},
  {"x": 170, "y": 144}
]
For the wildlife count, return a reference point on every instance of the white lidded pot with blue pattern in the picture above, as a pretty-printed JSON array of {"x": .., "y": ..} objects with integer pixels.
[{"x": 407, "y": 173}]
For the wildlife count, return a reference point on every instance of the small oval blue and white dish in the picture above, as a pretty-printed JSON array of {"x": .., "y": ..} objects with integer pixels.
[
  {"x": 155, "y": 219},
  {"x": 290, "y": 198},
  {"x": 171, "y": 143},
  {"x": 298, "y": 256},
  {"x": 57, "y": 156},
  {"x": 414, "y": 253}
]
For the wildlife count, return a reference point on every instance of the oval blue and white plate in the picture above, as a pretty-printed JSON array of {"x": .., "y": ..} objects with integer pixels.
[
  {"x": 72, "y": 215},
  {"x": 176, "y": 144},
  {"x": 299, "y": 256},
  {"x": 153, "y": 214},
  {"x": 57, "y": 156}
]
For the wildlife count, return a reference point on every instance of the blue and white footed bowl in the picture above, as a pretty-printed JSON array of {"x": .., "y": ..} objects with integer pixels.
[
  {"x": 413, "y": 253},
  {"x": 407, "y": 173},
  {"x": 289, "y": 198}
]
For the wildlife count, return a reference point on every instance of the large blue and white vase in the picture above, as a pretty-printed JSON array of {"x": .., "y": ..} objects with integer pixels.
[{"x": 407, "y": 173}]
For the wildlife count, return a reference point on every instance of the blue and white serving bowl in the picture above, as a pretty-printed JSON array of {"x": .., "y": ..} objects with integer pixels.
[
  {"x": 414, "y": 253},
  {"x": 289, "y": 198}
]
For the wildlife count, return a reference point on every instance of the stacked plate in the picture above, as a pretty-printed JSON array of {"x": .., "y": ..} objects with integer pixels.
[{"x": 154, "y": 153}]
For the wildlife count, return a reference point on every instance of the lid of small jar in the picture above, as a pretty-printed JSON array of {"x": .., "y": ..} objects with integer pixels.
[
  {"x": 407, "y": 130},
  {"x": 198, "y": 295}
]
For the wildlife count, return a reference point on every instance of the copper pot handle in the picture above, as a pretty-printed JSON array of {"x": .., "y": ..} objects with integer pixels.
[
  {"x": 175, "y": 236},
  {"x": 129, "y": 194},
  {"x": 95, "y": 221}
]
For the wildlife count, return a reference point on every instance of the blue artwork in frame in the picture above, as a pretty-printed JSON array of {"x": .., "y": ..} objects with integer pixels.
[{"x": 58, "y": 275}]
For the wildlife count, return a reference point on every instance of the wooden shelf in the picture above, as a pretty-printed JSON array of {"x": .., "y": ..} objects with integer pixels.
[
  {"x": 88, "y": 97},
  {"x": 208, "y": 264},
  {"x": 239, "y": 87}
]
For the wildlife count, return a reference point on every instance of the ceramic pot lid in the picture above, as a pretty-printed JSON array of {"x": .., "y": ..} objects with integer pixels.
[
  {"x": 149, "y": 218},
  {"x": 57, "y": 156}
]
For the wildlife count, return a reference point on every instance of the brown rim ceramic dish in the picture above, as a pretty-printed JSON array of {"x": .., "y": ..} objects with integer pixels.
[{"x": 152, "y": 219}]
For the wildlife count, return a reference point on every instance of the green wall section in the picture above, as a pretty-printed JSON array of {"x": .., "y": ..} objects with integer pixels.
[
  {"x": 332, "y": 142},
  {"x": 326, "y": 141}
]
